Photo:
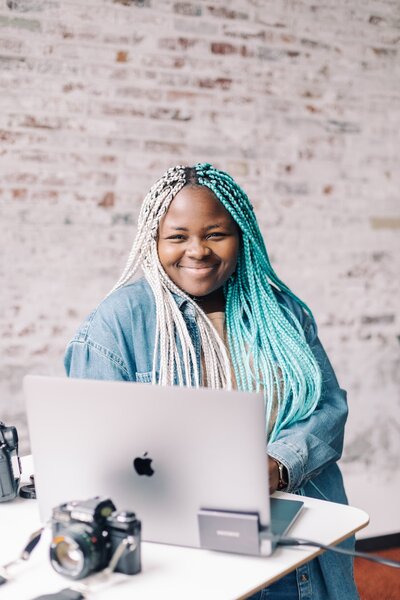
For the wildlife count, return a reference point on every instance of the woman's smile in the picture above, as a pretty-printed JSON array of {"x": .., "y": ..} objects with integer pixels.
[
  {"x": 198, "y": 273},
  {"x": 200, "y": 269}
]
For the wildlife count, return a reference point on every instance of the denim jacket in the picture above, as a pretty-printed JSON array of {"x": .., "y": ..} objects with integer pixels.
[{"x": 116, "y": 342}]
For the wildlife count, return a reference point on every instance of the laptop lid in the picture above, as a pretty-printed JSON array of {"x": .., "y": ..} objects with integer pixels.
[{"x": 162, "y": 452}]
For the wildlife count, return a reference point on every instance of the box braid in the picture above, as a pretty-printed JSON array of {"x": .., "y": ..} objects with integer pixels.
[{"x": 267, "y": 346}]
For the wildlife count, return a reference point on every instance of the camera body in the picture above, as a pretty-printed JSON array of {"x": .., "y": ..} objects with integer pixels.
[
  {"x": 10, "y": 464},
  {"x": 86, "y": 535}
]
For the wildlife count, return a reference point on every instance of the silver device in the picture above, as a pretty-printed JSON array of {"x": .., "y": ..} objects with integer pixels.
[{"x": 164, "y": 452}]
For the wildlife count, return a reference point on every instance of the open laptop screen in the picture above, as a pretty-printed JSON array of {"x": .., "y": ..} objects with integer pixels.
[{"x": 162, "y": 452}]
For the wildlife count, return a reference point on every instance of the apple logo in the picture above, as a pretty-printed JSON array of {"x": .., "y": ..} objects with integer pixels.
[{"x": 142, "y": 465}]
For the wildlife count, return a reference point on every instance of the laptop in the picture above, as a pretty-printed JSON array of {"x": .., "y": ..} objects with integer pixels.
[{"x": 165, "y": 453}]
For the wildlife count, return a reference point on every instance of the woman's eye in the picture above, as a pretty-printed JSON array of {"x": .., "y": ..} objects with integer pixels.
[
  {"x": 216, "y": 234},
  {"x": 176, "y": 237}
]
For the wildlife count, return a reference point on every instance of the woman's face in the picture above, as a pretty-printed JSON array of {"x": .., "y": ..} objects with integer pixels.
[{"x": 198, "y": 241}]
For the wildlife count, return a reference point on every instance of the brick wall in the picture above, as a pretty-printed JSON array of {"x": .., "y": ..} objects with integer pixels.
[{"x": 299, "y": 101}]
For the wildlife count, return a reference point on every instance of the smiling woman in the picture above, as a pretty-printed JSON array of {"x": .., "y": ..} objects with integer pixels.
[{"x": 211, "y": 311}]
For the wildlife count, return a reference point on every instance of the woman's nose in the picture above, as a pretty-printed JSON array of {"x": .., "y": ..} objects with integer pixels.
[{"x": 198, "y": 249}]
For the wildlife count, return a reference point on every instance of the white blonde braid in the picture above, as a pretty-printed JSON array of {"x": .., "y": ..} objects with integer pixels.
[{"x": 171, "y": 326}]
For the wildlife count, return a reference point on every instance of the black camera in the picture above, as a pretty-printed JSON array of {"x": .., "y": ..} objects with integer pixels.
[
  {"x": 10, "y": 465},
  {"x": 87, "y": 535}
]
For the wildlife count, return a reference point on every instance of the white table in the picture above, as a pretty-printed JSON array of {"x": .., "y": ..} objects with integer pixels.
[{"x": 170, "y": 571}]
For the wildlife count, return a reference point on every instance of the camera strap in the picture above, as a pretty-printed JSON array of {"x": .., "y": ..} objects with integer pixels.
[
  {"x": 6, "y": 571},
  {"x": 80, "y": 589},
  {"x": 128, "y": 543}
]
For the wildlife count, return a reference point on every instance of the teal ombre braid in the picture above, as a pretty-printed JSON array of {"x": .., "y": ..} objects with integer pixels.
[{"x": 268, "y": 347}]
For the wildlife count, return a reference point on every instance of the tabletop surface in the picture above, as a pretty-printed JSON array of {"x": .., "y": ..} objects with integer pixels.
[{"x": 175, "y": 571}]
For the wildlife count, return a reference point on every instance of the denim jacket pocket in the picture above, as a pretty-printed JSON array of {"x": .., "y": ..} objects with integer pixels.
[{"x": 144, "y": 377}]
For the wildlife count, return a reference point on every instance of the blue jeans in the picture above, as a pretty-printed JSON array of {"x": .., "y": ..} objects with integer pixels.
[{"x": 283, "y": 589}]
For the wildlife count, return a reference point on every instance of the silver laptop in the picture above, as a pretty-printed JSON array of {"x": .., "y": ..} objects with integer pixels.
[{"x": 163, "y": 452}]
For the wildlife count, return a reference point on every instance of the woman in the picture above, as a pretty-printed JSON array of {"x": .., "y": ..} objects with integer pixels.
[{"x": 210, "y": 311}]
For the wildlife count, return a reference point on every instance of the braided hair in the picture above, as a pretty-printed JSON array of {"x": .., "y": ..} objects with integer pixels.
[{"x": 267, "y": 346}]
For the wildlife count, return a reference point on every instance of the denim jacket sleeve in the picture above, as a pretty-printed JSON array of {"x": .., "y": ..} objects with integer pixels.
[{"x": 308, "y": 446}]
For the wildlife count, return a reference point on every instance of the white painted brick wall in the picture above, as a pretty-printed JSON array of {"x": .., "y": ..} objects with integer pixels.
[{"x": 299, "y": 101}]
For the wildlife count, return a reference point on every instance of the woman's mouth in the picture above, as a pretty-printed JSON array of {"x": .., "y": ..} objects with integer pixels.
[{"x": 198, "y": 270}]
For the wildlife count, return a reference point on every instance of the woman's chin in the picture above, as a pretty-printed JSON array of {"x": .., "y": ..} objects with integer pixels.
[
  {"x": 203, "y": 292},
  {"x": 194, "y": 288},
  {"x": 197, "y": 292}
]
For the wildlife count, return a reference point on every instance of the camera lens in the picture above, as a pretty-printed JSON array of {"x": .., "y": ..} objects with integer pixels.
[
  {"x": 78, "y": 551},
  {"x": 69, "y": 556}
]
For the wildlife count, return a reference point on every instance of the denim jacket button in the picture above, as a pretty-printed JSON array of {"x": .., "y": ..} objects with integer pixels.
[{"x": 304, "y": 577}]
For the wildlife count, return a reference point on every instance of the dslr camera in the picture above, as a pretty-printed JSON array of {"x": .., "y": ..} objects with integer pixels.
[
  {"x": 10, "y": 464},
  {"x": 87, "y": 534}
]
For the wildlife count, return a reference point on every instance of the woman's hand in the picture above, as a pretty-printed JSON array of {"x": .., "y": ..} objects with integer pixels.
[{"x": 273, "y": 473}]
